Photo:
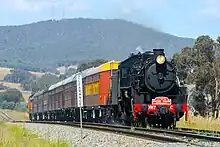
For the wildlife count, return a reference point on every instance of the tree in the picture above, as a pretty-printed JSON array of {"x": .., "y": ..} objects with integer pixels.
[
  {"x": 27, "y": 84},
  {"x": 22, "y": 107},
  {"x": 90, "y": 64},
  {"x": 7, "y": 105},
  {"x": 217, "y": 75},
  {"x": 70, "y": 72},
  {"x": 184, "y": 62},
  {"x": 18, "y": 76},
  {"x": 10, "y": 98},
  {"x": 12, "y": 95},
  {"x": 198, "y": 65},
  {"x": 199, "y": 102},
  {"x": 23, "y": 77},
  {"x": 2, "y": 87},
  {"x": 46, "y": 80}
]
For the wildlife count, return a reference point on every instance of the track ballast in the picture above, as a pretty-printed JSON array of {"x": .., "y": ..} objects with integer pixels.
[{"x": 159, "y": 135}]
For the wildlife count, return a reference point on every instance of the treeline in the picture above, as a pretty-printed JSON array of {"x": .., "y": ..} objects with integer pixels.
[
  {"x": 12, "y": 99},
  {"x": 89, "y": 64},
  {"x": 30, "y": 82},
  {"x": 200, "y": 65}
]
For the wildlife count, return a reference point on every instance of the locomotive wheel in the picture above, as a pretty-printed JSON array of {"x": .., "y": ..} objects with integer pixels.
[
  {"x": 173, "y": 125},
  {"x": 136, "y": 124},
  {"x": 122, "y": 118},
  {"x": 165, "y": 122},
  {"x": 143, "y": 123},
  {"x": 140, "y": 122}
]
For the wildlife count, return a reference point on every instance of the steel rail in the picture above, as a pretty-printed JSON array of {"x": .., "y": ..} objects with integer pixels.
[
  {"x": 5, "y": 116},
  {"x": 114, "y": 129},
  {"x": 208, "y": 132},
  {"x": 180, "y": 133},
  {"x": 175, "y": 132}
]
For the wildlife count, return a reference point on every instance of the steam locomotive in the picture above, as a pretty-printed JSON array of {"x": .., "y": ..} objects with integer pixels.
[{"x": 142, "y": 90}]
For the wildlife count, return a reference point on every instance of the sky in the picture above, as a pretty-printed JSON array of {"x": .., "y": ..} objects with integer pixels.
[{"x": 185, "y": 18}]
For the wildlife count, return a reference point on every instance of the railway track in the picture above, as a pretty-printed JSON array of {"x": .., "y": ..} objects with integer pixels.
[
  {"x": 200, "y": 131},
  {"x": 112, "y": 128},
  {"x": 159, "y": 135},
  {"x": 4, "y": 117}
]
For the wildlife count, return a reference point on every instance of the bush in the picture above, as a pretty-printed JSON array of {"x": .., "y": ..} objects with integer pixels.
[
  {"x": 12, "y": 99},
  {"x": 21, "y": 107},
  {"x": 11, "y": 95},
  {"x": 7, "y": 105}
]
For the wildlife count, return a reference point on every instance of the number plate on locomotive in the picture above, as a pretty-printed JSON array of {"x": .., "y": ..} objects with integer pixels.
[{"x": 161, "y": 101}]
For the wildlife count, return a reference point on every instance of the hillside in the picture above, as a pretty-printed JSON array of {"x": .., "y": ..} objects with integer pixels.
[
  {"x": 5, "y": 71},
  {"x": 50, "y": 43}
]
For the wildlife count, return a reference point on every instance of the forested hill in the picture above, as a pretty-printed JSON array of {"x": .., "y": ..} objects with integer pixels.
[{"x": 48, "y": 43}]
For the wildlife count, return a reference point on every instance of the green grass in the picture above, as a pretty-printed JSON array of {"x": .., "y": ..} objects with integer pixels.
[{"x": 12, "y": 135}]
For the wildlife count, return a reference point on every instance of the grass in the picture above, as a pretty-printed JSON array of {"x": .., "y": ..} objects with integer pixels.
[
  {"x": 3, "y": 72},
  {"x": 16, "y": 115},
  {"x": 200, "y": 123},
  {"x": 12, "y": 85},
  {"x": 37, "y": 74},
  {"x": 14, "y": 136},
  {"x": 26, "y": 95}
]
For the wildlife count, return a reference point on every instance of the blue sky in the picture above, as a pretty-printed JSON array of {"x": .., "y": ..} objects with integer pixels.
[{"x": 187, "y": 18}]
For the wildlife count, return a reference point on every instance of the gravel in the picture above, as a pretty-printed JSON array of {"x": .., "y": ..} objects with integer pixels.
[{"x": 99, "y": 139}]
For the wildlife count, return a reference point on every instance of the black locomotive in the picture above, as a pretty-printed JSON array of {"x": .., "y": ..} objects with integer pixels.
[{"x": 150, "y": 90}]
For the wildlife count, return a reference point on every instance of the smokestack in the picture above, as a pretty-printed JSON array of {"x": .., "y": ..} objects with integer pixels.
[{"x": 158, "y": 52}]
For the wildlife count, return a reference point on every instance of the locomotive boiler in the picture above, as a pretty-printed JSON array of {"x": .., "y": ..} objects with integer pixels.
[{"x": 141, "y": 90}]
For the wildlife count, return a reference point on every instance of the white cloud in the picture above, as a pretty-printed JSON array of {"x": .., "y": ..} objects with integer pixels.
[{"x": 39, "y": 5}]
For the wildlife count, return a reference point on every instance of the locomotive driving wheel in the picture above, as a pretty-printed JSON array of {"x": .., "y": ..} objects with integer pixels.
[
  {"x": 137, "y": 123},
  {"x": 140, "y": 122},
  {"x": 173, "y": 125},
  {"x": 165, "y": 122}
]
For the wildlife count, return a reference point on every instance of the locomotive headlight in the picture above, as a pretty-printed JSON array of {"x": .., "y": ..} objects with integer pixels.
[{"x": 160, "y": 59}]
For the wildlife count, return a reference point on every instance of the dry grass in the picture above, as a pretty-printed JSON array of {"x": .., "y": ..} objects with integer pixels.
[
  {"x": 14, "y": 136},
  {"x": 3, "y": 72},
  {"x": 16, "y": 115},
  {"x": 200, "y": 123},
  {"x": 12, "y": 85},
  {"x": 37, "y": 74},
  {"x": 2, "y": 91},
  {"x": 26, "y": 95}
]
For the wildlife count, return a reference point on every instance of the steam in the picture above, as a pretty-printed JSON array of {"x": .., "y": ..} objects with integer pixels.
[{"x": 139, "y": 49}]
